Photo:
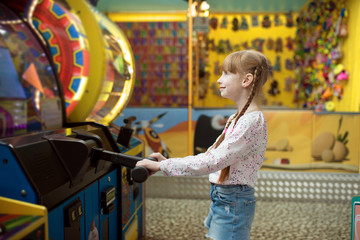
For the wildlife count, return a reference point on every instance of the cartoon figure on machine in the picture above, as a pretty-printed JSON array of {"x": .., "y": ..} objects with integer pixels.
[{"x": 152, "y": 139}]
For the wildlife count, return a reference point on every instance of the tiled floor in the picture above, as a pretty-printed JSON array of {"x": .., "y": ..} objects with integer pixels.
[{"x": 173, "y": 219}]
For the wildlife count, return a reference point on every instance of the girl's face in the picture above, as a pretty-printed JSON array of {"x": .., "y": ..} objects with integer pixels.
[{"x": 230, "y": 85}]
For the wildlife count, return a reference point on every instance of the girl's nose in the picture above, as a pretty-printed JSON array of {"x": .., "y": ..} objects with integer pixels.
[{"x": 219, "y": 80}]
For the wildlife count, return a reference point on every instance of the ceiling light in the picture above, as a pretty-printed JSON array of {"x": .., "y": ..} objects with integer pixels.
[{"x": 204, "y": 6}]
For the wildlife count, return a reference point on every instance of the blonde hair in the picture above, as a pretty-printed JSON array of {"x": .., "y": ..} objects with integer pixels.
[{"x": 244, "y": 62}]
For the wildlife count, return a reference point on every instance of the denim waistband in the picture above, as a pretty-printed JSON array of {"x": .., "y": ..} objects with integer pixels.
[{"x": 243, "y": 187}]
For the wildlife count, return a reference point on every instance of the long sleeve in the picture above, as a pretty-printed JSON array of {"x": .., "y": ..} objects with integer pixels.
[{"x": 244, "y": 142}]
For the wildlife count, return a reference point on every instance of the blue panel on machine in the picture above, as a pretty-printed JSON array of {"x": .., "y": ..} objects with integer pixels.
[
  {"x": 68, "y": 213},
  {"x": 108, "y": 187},
  {"x": 15, "y": 184}
]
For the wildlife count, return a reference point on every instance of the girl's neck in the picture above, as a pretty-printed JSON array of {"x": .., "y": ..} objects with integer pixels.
[{"x": 254, "y": 106}]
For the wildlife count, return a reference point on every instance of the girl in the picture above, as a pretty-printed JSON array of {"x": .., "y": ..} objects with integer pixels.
[{"x": 233, "y": 160}]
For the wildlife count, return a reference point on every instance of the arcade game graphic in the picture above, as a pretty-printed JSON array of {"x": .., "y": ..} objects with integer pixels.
[
  {"x": 91, "y": 56},
  {"x": 29, "y": 91}
]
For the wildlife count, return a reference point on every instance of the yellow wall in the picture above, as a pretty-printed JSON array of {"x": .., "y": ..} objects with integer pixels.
[
  {"x": 351, "y": 54},
  {"x": 351, "y": 60},
  {"x": 241, "y": 36}
]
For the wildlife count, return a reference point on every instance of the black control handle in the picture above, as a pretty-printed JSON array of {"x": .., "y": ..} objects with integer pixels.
[{"x": 138, "y": 174}]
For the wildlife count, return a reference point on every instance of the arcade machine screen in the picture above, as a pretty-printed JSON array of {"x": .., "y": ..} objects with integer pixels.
[{"x": 29, "y": 94}]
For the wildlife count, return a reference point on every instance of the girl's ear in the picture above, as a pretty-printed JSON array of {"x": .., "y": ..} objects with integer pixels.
[{"x": 248, "y": 79}]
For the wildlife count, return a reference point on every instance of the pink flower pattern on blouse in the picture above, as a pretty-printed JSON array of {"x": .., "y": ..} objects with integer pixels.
[{"x": 243, "y": 149}]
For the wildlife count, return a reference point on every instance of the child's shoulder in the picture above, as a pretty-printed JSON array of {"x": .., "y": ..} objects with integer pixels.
[
  {"x": 254, "y": 117},
  {"x": 254, "y": 114}
]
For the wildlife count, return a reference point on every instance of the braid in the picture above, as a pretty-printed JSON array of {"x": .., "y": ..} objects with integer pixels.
[
  {"x": 251, "y": 96},
  {"x": 224, "y": 174}
]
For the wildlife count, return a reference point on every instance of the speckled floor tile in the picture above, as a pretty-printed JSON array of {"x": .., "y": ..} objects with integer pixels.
[{"x": 173, "y": 219}]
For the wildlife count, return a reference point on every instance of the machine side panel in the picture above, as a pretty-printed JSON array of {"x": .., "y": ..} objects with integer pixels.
[
  {"x": 15, "y": 184},
  {"x": 57, "y": 218},
  {"x": 43, "y": 166},
  {"x": 92, "y": 211},
  {"x": 107, "y": 182}
]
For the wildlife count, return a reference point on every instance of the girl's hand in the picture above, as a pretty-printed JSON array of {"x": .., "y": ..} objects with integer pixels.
[
  {"x": 151, "y": 166},
  {"x": 158, "y": 156}
]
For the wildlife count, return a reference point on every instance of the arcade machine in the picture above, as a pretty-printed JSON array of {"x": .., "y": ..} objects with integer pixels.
[
  {"x": 75, "y": 176},
  {"x": 95, "y": 94}
]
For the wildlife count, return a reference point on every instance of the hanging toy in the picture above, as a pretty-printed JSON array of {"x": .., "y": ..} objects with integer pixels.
[
  {"x": 246, "y": 45},
  {"x": 289, "y": 64},
  {"x": 217, "y": 68},
  {"x": 327, "y": 94},
  {"x": 307, "y": 91},
  {"x": 224, "y": 23},
  {"x": 336, "y": 52},
  {"x": 274, "y": 88},
  {"x": 244, "y": 25},
  {"x": 343, "y": 12},
  {"x": 343, "y": 75},
  {"x": 289, "y": 19},
  {"x": 278, "y": 45},
  {"x": 258, "y": 44},
  {"x": 277, "y": 66},
  {"x": 288, "y": 84},
  {"x": 323, "y": 76},
  {"x": 320, "y": 75},
  {"x": 330, "y": 77},
  {"x": 266, "y": 23},
  {"x": 338, "y": 69},
  {"x": 320, "y": 107},
  {"x": 213, "y": 23},
  {"x": 343, "y": 31},
  {"x": 254, "y": 20},
  {"x": 235, "y": 23},
  {"x": 330, "y": 106},
  {"x": 210, "y": 44},
  {"x": 215, "y": 89},
  {"x": 270, "y": 44},
  {"x": 289, "y": 43},
  {"x": 221, "y": 47},
  {"x": 228, "y": 46},
  {"x": 236, "y": 47},
  {"x": 338, "y": 90},
  {"x": 261, "y": 44},
  {"x": 277, "y": 20}
]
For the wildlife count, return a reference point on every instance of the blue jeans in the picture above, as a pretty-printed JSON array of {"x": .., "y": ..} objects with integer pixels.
[{"x": 231, "y": 212}]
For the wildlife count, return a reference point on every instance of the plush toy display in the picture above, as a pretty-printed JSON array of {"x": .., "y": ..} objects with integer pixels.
[{"x": 321, "y": 27}]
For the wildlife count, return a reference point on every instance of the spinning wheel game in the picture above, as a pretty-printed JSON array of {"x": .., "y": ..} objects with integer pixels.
[{"x": 69, "y": 48}]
